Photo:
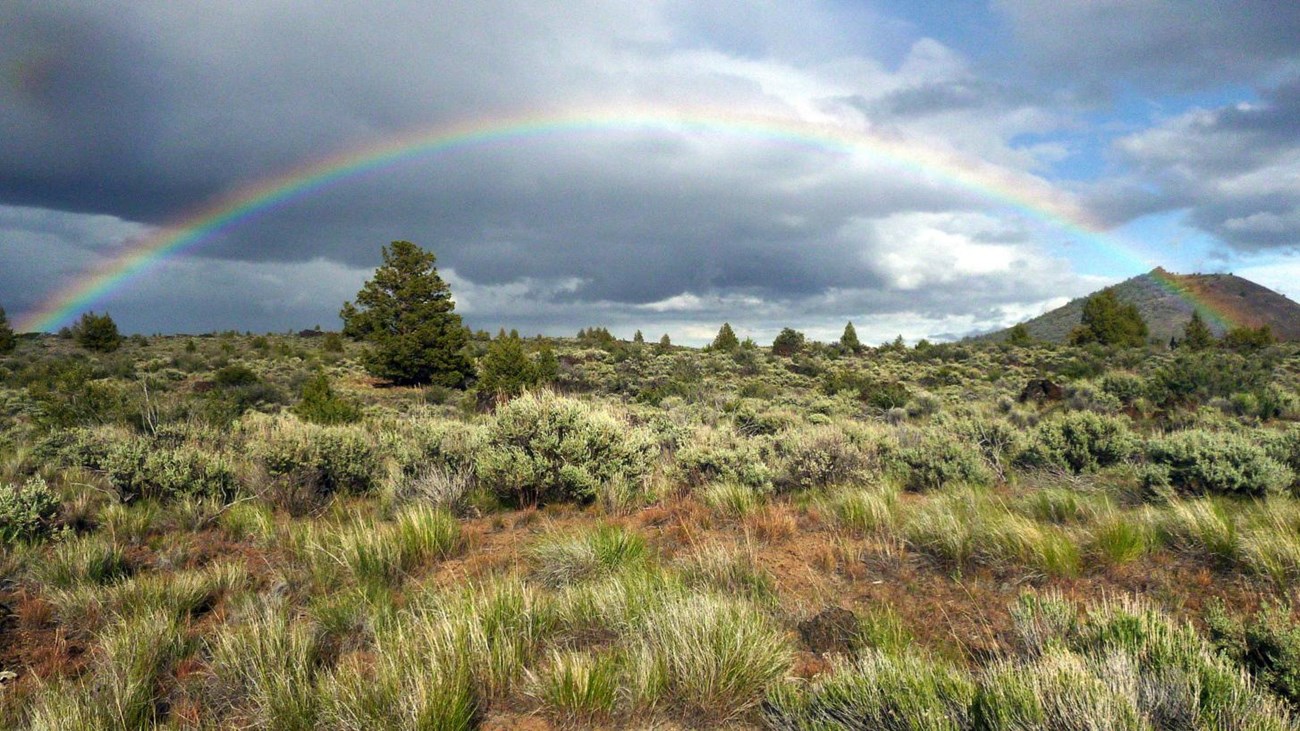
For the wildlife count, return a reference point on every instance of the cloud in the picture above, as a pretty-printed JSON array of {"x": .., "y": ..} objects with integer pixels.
[
  {"x": 1234, "y": 169},
  {"x": 1155, "y": 44},
  {"x": 164, "y": 108}
]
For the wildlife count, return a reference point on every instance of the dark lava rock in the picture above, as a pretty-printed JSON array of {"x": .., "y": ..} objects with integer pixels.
[
  {"x": 834, "y": 629},
  {"x": 1042, "y": 389}
]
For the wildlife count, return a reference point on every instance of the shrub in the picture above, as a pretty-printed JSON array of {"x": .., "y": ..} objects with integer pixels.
[
  {"x": 1198, "y": 462},
  {"x": 543, "y": 448},
  {"x": 1267, "y": 645},
  {"x": 933, "y": 459},
  {"x": 819, "y": 456},
  {"x": 1080, "y": 442},
  {"x": 26, "y": 512},
  {"x": 321, "y": 405},
  {"x": 320, "y": 460},
  {"x": 140, "y": 468}
]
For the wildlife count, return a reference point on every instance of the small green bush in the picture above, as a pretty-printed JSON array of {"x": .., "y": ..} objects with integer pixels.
[
  {"x": 1199, "y": 462},
  {"x": 934, "y": 459},
  {"x": 711, "y": 455},
  {"x": 1267, "y": 645},
  {"x": 1080, "y": 441},
  {"x": 321, "y": 405},
  {"x": 544, "y": 448},
  {"x": 141, "y": 468},
  {"x": 819, "y": 456},
  {"x": 26, "y": 512},
  {"x": 323, "y": 460}
]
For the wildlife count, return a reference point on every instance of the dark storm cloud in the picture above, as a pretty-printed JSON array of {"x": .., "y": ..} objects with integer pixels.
[
  {"x": 1233, "y": 169},
  {"x": 1178, "y": 44},
  {"x": 145, "y": 112}
]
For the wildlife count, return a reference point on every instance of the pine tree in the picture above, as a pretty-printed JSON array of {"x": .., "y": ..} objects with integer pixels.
[
  {"x": 665, "y": 344},
  {"x": 406, "y": 314},
  {"x": 849, "y": 340},
  {"x": 638, "y": 338},
  {"x": 726, "y": 339},
  {"x": 7, "y": 340},
  {"x": 1197, "y": 335},
  {"x": 97, "y": 332}
]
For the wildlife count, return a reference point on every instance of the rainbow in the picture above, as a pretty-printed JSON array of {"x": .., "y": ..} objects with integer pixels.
[{"x": 1025, "y": 194}]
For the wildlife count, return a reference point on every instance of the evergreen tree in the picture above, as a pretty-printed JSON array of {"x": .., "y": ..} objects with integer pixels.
[
  {"x": 1197, "y": 336},
  {"x": 726, "y": 339},
  {"x": 7, "y": 340},
  {"x": 97, "y": 332},
  {"x": 1019, "y": 335},
  {"x": 1108, "y": 321},
  {"x": 638, "y": 338},
  {"x": 849, "y": 340},
  {"x": 665, "y": 344},
  {"x": 788, "y": 342},
  {"x": 406, "y": 314},
  {"x": 546, "y": 369},
  {"x": 506, "y": 369}
]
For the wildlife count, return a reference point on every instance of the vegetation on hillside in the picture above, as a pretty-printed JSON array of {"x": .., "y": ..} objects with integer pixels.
[{"x": 237, "y": 531}]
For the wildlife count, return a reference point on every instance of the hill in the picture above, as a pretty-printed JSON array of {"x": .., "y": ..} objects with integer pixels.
[{"x": 1166, "y": 301}]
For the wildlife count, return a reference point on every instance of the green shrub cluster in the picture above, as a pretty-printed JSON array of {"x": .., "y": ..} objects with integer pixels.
[
  {"x": 712, "y": 454},
  {"x": 1267, "y": 645},
  {"x": 26, "y": 511},
  {"x": 545, "y": 448},
  {"x": 932, "y": 458},
  {"x": 1080, "y": 441},
  {"x": 141, "y": 468},
  {"x": 320, "y": 460},
  {"x": 1200, "y": 462}
]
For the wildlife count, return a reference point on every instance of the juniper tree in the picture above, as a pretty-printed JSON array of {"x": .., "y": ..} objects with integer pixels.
[
  {"x": 1197, "y": 336},
  {"x": 97, "y": 332},
  {"x": 726, "y": 339},
  {"x": 7, "y": 340},
  {"x": 1108, "y": 321},
  {"x": 406, "y": 315},
  {"x": 849, "y": 340},
  {"x": 788, "y": 342},
  {"x": 506, "y": 369}
]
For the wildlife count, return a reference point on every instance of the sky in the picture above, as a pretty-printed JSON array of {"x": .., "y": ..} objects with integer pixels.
[{"x": 920, "y": 167}]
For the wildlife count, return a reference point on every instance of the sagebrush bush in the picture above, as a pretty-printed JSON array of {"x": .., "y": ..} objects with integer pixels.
[
  {"x": 720, "y": 454},
  {"x": 1198, "y": 462},
  {"x": 820, "y": 456},
  {"x": 27, "y": 511},
  {"x": 932, "y": 459},
  {"x": 319, "y": 459},
  {"x": 1080, "y": 441},
  {"x": 1267, "y": 645},
  {"x": 139, "y": 468},
  {"x": 544, "y": 448}
]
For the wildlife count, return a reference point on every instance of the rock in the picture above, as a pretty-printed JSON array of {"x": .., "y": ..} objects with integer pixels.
[
  {"x": 1041, "y": 390},
  {"x": 834, "y": 629}
]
